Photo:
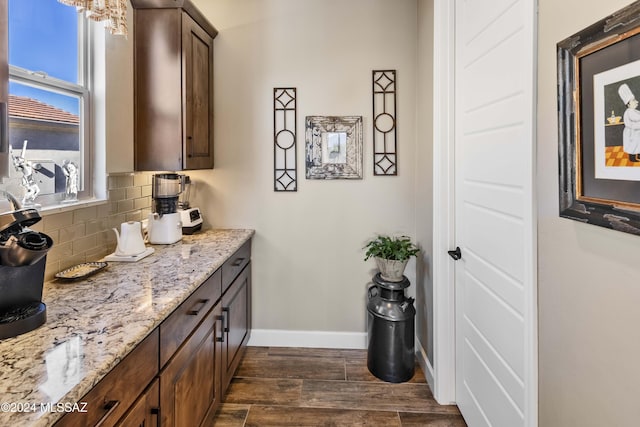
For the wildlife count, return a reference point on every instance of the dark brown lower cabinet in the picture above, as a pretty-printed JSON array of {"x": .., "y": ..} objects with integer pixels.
[
  {"x": 190, "y": 383},
  {"x": 178, "y": 375},
  {"x": 236, "y": 308}
]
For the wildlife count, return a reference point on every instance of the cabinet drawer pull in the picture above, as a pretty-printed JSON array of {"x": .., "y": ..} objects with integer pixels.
[
  {"x": 110, "y": 406},
  {"x": 156, "y": 412},
  {"x": 237, "y": 262},
  {"x": 225, "y": 317},
  {"x": 195, "y": 311},
  {"x": 221, "y": 337}
]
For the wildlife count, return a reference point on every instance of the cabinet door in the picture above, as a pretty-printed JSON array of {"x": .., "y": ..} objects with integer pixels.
[
  {"x": 197, "y": 66},
  {"x": 158, "y": 109},
  {"x": 190, "y": 382},
  {"x": 236, "y": 308},
  {"x": 146, "y": 411}
]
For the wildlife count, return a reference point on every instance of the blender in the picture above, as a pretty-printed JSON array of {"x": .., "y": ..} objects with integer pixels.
[
  {"x": 164, "y": 226},
  {"x": 190, "y": 216}
]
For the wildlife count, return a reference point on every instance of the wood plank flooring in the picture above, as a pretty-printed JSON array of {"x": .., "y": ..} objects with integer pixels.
[{"x": 277, "y": 386}]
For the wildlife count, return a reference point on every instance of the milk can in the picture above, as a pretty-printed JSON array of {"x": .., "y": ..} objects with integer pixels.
[{"x": 391, "y": 315}]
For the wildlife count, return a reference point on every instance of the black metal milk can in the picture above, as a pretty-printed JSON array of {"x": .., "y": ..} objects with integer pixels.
[{"x": 391, "y": 316}]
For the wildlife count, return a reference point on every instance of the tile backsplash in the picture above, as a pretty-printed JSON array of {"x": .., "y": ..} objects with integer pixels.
[{"x": 85, "y": 234}]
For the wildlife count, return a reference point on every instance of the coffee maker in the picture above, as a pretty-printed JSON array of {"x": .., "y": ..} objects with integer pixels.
[
  {"x": 22, "y": 263},
  {"x": 164, "y": 226}
]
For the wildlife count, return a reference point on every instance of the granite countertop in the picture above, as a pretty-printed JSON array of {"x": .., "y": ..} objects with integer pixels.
[{"x": 94, "y": 323}]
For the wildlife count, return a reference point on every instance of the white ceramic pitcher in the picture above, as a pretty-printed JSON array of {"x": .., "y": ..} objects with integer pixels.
[{"x": 130, "y": 241}]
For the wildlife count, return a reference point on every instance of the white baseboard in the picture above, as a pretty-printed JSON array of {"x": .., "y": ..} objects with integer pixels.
[
  {"x": 309, "y": 339},
  {"x": 425, "y": 364}
]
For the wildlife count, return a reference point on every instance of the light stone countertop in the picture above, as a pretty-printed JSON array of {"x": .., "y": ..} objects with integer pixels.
[{"x": 93, "y": 324}]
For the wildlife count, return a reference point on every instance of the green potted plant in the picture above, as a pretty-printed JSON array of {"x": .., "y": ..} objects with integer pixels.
[{"x": 391, "y": 255}]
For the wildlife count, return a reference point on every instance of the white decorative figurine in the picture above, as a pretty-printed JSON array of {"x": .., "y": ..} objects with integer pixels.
[
  {"x": 28, "y": 182},
  {"x": 70, "y": 171}
]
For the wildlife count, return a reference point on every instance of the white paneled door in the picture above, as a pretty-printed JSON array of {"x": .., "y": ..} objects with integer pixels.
[{"x": 494, "y": 220}]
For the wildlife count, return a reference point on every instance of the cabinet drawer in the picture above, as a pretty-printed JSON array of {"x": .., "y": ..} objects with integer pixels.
[
  {"x": 179, "y": 325},
  {"x": 235, "y": 264},
  {"x": 119, "y": 389}
]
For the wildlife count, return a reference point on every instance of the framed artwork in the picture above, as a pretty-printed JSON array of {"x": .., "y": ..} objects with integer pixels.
[
  {"x": 333, "y": 147},
  {"x": 599, "y": 122}
]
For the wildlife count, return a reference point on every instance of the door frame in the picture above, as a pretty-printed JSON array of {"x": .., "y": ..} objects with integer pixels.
[
  {"x": 444, "y": 387},
  {"x": 444, "y": 367}
]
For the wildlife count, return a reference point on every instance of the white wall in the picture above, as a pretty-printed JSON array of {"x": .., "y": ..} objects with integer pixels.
[
  {"x": 588, "y": 276},
  {"x": 308, "y": 267},
  {"x": 424, "y": 179}
]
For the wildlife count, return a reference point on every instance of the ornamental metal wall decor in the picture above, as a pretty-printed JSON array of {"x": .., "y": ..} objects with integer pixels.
[
  {"x": 333, "y": 147},
  {"x": 284, "y": 139},
  {"x": 385, "y": 161}
]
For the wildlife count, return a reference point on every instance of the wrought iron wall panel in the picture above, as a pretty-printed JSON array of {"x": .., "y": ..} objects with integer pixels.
[
  {"x": 385, "y": 161},
  {"x": 284, "y": 139}
]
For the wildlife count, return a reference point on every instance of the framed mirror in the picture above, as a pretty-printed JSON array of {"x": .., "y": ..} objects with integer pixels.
[{"x": 333, "y": 147}]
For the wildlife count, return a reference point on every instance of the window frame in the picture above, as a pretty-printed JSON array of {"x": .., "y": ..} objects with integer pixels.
[{"x": 82, "y": 90}]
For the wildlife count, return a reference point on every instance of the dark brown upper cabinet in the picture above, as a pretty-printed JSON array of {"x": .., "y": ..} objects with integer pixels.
[{"x": 173, "y": 86}]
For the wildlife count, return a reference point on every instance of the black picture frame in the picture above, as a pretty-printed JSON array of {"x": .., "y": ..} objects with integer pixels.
[{"x": 609, "y": 43}]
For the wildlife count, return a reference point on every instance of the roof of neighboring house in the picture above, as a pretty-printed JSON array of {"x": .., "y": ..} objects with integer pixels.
[{"x": 28, "y": 108}]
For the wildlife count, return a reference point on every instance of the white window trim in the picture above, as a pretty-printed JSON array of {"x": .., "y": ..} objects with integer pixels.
[{"x": 84, "y": 90}]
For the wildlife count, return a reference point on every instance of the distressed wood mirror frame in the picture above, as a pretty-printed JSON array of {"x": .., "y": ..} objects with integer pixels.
[
  {"x": 333, "y": 147},
  {"x": 602, "y": 49}
]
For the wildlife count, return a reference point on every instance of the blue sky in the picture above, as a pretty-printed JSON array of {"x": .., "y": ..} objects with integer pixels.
[{"x": 42, "y": 37}]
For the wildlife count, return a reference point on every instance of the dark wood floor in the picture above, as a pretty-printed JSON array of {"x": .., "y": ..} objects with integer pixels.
[{"x": 322, "y": 387}]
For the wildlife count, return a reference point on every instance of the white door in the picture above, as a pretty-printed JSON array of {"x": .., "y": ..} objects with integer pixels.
[{"x": 495, "y": 228}]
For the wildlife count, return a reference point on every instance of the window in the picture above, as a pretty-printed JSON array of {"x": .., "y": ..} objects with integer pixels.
[{"x": 49, "y": 98}]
